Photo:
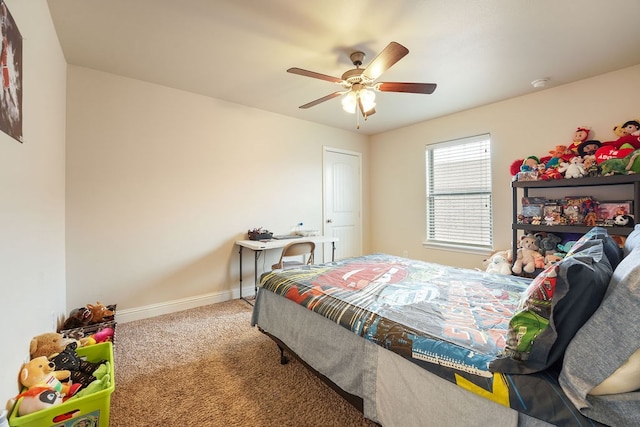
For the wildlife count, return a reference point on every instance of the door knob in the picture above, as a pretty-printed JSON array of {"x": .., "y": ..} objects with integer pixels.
[{"x": 329, "y": 221}]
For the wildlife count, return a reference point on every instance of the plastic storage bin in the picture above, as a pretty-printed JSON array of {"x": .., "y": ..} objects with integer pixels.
[{"x": 93, "y": 408}]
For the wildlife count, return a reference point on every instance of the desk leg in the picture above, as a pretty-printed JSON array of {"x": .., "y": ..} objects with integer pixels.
[
  {"x": 333, "y": 251},
  {"x": 255, "y": 272},
  {"x": 240, "y": 264}
]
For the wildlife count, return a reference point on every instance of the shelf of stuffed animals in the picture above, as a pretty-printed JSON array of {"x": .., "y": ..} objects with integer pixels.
[{"x": 520, "y": 189}]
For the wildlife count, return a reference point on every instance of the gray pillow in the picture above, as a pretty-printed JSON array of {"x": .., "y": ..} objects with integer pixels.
[
  {"x": 633, "y": 241},
  {"x": 603, "y": 344}
]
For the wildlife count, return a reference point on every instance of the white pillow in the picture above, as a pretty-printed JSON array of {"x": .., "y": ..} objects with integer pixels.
[{"x": 626, "y": 378}]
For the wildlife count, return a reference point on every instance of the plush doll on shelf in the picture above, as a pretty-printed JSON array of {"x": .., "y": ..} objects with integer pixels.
[
  {"x": 628, "y": 133},
  {"x": 624, "y": 166},
  {"x": 579, "y": 136},
  {"x": 528, "y": 255},
  {"x": 574, "y": 168},
  {"x": 560, "y": 153},
  {"x": 590, "y": 165},
  {"x": 589, "y": 147}
]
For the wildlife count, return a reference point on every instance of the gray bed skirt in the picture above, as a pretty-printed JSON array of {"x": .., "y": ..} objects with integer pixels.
[{"x": 395, "y": 392}]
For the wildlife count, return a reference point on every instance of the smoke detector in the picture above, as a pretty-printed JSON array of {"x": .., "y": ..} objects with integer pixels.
[{"x": 540, "y": 82}]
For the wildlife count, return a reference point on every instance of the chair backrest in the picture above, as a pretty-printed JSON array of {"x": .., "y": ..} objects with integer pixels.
[{"x": 296, "y": 249}]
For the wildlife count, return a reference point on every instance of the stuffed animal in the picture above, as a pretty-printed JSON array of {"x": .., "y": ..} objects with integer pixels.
[
  {"x": 47, "y": 344},
  {"x": 104, "y": 335},
  {"x": 623, "y": 166},
  {"x": 579, "y": 136},
  {"x": 37, "y": 398},
  {"x": 590, "y": 165},
  {"x": 40, "y": 372},
  {"x": 499, "y": 265},
  {"x": 102, "y": 381},
  {"x": 81, "y": 371},
  {"x": 623, "y": 221},
  {"x": 589, "y": 147},
  {"x": 628, "y": 133},
  {"x": 507, "y": 254},
  {"x": 561, "y": 152},
  {"x": 528, "y": 255},
  {"x": 78, "y": 317},
  {"x": 573, "y": 169},
  {"x": 99, "y": 311},
  {"x": 547, "y": 242}
]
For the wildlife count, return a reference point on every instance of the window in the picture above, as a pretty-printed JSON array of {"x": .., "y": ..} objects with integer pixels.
[{"x": 459, "y": 210}]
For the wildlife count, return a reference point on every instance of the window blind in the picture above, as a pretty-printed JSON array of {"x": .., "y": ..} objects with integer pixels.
[{"x": 459, "y": 199}]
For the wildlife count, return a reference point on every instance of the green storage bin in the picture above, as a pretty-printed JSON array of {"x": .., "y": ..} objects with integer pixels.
[{"x": 93, "y": 409}]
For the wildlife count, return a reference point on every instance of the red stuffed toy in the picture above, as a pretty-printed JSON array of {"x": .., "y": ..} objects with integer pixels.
[{"x": 628, "y": 133}]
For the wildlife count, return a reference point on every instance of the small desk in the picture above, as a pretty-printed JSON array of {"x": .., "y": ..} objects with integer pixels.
[{"x": 257, "y": 246}]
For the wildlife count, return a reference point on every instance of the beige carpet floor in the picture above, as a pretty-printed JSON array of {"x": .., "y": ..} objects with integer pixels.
[{"x": 208, "y": 367}]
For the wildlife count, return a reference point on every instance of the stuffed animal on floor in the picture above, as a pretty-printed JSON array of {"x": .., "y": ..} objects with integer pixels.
[
  {"x": 40, "y": 372},
  {"x": 528, "y": 255},
  {"x": 47, "y": 344},
  {"x": 99, "y": 312},
  {"x": 78, "y": 317}
]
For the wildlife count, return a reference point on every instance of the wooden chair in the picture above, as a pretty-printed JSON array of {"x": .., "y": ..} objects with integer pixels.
[{"x": 295, "y": 249}]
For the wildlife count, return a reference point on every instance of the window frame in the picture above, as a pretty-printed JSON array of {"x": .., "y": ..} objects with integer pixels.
[{"x": 483, "y": 195}]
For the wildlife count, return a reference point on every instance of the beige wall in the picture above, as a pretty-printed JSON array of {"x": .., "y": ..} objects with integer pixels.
[
  {"x": 532, "y": 124},
  {"x": 161, "y": 182},
  {"x": 32, "y": 257}
]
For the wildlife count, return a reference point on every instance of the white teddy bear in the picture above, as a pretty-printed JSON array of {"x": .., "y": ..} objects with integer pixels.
[
  {"x": 499, "y": 265},
  {"x": 573, "y": 169}
]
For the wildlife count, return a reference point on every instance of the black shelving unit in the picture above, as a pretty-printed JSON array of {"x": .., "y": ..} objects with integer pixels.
[{"x": 521, "y": 189}]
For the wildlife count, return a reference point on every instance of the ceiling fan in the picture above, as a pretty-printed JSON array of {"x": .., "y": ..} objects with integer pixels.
[{"x": 359, "y": 83}]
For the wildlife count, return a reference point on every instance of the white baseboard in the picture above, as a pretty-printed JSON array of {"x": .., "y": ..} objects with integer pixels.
[{"x": 139, "y": 313}]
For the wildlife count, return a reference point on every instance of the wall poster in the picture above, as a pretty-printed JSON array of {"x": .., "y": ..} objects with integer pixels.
[{"x": 10, "y": 75}]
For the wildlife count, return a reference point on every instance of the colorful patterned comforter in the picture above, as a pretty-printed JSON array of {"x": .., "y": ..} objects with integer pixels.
[{"x": 450, "y": 321}]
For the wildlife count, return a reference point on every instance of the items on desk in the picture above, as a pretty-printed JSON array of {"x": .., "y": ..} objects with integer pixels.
[
  {"x": 260, "y": 234},
  {"x": 286, "y": 236}
]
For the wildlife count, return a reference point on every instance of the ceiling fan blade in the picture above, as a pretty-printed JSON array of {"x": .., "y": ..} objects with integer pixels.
[
  {"x": 391, "y": 54},
  {"x": 313, "y": 74},
  {"x": 426, "y": 88},
  {"x": 320, "y": 100}
]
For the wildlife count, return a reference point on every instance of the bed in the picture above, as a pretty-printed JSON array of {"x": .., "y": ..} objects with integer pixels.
[{"x": 416, "y": 343}]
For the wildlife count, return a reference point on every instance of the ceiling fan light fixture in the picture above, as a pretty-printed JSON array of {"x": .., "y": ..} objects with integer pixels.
[
  {"x": 349, "y": 102},
  {"x": 368, "y": 98}
]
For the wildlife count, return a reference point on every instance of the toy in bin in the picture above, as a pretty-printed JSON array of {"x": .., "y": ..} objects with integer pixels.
[
  {"x": 94, "y": 323},
  {"x": 89, "y": 406}
]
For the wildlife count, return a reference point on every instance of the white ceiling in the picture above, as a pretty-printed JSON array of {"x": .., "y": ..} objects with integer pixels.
[{"x": 478, "y": 52}]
